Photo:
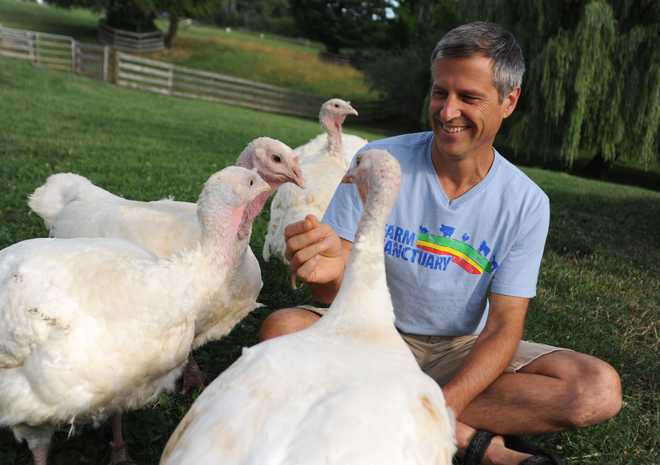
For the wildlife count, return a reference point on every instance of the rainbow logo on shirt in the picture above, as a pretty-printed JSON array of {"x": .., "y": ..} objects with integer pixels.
[{"x": 463, "y": 254}]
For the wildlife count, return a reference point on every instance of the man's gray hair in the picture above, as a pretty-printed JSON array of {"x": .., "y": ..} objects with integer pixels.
[{"x": 490, "y": 40}]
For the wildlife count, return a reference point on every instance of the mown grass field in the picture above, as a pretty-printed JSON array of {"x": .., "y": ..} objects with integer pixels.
[
  {"x": 267, "y": 59},
  {"x": 599, "y": 290}
]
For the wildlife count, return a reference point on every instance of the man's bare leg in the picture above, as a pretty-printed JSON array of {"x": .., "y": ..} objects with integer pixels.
[
  {"x": 555, "y": 392},
  {"x": 286, "y": 321},
  {"x": 558, "y": 391}
]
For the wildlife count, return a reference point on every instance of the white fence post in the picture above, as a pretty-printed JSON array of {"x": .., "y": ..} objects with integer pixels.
[
  {"x": 106, "y": 59},
  {"x": 74, "y": 56},
  {"x": 170, "y": 80}
]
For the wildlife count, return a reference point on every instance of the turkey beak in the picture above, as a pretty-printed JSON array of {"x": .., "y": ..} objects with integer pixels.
[
  {"x": 351, "y": 110},
  {"x": 297, "y": 177}
]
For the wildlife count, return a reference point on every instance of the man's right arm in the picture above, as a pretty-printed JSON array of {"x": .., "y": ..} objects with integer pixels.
[{"x": 317, "y": 256}]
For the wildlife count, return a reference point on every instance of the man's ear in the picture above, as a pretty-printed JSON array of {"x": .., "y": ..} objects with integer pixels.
[{"x": 510, "y": 101}]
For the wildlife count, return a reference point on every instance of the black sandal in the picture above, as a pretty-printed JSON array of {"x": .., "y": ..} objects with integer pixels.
[
  {"x": 538, "y": 455},
  {"x": 475, "y": 451}
]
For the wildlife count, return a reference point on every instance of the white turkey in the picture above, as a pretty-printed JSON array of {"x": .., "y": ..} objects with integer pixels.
[
  {"x": 324, "y": 159},
  {"x": 345, "y": 391},
  {"x": 71, "y": 206},
  {"x": 90, "y": 327},
  {"x": 332, "y": 114}
]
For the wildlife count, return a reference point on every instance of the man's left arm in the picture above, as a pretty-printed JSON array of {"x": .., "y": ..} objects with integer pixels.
[{"x": 492, "y": 351}]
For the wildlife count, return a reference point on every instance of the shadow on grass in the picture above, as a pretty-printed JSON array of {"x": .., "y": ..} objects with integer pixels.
[
  {"x": 618, "y": 174},
  {"x": 634, "y": 177}
]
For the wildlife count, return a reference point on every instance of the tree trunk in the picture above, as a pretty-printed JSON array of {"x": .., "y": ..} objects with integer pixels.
[{"x": 172, "y": 29}]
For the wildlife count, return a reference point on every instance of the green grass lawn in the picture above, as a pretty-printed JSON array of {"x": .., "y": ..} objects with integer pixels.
[
  {"x": 266, "y": 59},
  {"x": 599, "y": 289}
]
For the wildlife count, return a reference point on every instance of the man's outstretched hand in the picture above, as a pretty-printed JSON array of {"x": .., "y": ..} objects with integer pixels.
[{"x": 314, "y": 251}]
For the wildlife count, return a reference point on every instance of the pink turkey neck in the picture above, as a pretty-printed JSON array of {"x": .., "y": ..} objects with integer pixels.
[
  {"x": 334, "y": 130},
  {"x": 250, "y": 213}
]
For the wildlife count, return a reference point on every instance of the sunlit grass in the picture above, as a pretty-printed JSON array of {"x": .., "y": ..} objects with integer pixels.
[{"x": 267, "y": 59}]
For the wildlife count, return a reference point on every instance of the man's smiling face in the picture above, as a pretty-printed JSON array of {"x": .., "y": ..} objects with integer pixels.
[{"x": 465, "y": 108}]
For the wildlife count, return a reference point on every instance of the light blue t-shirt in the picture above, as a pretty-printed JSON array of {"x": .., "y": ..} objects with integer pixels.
[{"x": 443, "y": 257}]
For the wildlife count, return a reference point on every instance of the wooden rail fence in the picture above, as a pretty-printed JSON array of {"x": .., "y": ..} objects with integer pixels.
[
  {"x": 180, "y": 81},
  {"x": 169, "y": 79},
  {"x": 135, "y": 72},
  {"x": 55, "y": 51},
  {"x": 132, "y": 42}
]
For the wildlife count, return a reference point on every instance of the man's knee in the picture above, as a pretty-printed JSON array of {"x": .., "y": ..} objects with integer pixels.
[
  {"x": 592, "y": 387},
  {"x": 286, "y": 321},
  {"x": 597, "y": 392}
]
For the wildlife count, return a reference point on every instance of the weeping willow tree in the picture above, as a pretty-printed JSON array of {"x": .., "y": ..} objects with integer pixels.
[{"x": 592, "y": 89}]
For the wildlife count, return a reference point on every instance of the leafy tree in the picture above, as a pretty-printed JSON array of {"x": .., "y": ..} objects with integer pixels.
[
  {"x": 259, "y": 15},
  {"x": 343, "y": 23},
  {"x": 130, "y": 15},
  {"x": 139, "y": 15},
  {"x": 593, "y": 82}
]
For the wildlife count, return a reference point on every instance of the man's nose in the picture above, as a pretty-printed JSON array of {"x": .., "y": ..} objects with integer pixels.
[{"x": 450, "y": 109}]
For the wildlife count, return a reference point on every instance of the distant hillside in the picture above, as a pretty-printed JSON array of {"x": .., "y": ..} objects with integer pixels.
[{"x": 261, "y": 58}]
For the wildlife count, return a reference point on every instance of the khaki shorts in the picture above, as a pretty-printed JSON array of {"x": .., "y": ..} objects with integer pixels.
[{"x": 442, "y": 356}]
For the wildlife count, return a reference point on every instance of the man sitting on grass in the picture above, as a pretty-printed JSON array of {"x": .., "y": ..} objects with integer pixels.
[{"x": 463, "y": 249}]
